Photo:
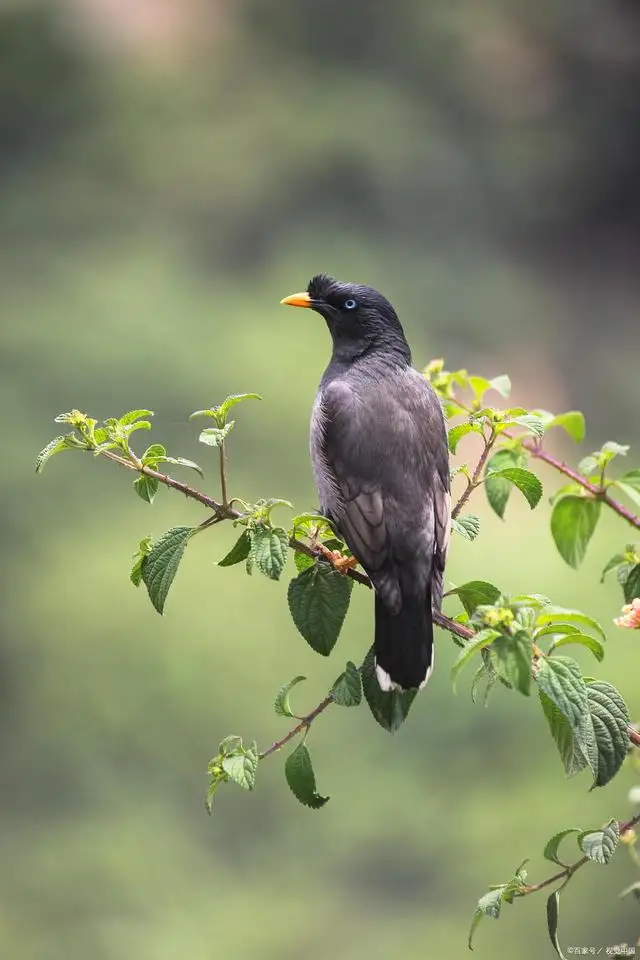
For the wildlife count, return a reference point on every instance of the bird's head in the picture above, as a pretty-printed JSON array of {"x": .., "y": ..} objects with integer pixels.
[{"x": 359, "y": 318}]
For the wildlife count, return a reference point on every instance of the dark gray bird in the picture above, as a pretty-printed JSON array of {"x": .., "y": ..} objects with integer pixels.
[{"x": 381, "y": 466}]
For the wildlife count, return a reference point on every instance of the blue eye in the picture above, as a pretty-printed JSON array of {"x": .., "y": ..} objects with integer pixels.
[{"x": 350, "y": 304}]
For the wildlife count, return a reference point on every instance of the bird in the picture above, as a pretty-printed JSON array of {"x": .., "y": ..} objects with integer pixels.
[{"x": 380, "y": 460}]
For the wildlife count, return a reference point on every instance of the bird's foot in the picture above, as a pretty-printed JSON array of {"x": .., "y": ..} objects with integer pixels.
[{"x": 338, "y": 560}]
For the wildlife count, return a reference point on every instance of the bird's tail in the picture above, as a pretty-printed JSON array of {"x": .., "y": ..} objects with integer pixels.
[{"x": 404, "y": 643}]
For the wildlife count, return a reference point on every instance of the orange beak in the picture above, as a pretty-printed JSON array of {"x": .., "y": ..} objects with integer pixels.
[{"x": 297, "y": 300}]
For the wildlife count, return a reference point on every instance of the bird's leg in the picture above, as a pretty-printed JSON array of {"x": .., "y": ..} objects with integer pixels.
[{"x": 338, "y": 560}]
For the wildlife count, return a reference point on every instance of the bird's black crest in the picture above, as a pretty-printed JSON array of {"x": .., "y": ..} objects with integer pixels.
[{"x": 321, "y": 285}]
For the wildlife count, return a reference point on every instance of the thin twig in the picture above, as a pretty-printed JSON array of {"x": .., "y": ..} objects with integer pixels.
[
  {"x": 304, "y": 724},
  {"x": 477, "y": 474},
  {"x": 223, "y": 476},
  {"x": 597, "y": 492},
  {"x": 572, "y": 867}
]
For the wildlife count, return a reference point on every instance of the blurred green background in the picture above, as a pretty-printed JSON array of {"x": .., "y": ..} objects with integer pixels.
[{"x": 170, "y": 170}]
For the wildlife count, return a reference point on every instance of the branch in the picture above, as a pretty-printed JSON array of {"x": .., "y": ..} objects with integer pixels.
[
  {"x": 476, "y": 478},
  {"x": 571, "y": 869},
  {"x": 305, "y": 723},
  {"x": 597, "y": 492}
]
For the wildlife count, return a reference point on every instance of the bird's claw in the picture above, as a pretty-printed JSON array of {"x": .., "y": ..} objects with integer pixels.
[{"x": 338, "y": 560}]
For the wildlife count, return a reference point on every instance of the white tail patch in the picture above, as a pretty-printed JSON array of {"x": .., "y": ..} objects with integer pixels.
[{"x": 387, "y": 685}]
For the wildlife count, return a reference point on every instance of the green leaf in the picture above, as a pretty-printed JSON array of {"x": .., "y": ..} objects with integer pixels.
[
  {"x": 502, "y": 384},
  {"x": 302, "y": 561},
  {"x": 146, "y": 487},
  {"x": 534, "y": 425},
  {"x": 347, "y": 690},
  {"x": 553, "y": 910},
  {"x": 215, "y": 436},
  {"x": 239, "y": 551},
  {"x": 318, "y": 600},
  {"x": 219, "y": 414},
  {"x": 631, "y": 585},
  {"x": 301, "y": 778},
  {"x": 526, "y": 482},
  {"x": 136, "y": 571},
  {"x": 552, "y": 845},
  {"x": 630, "y": 483},
  {"x": 491, "y": 903},
  {"x": 269, "y": 550},
  {"x": 584, "y": 639},
  {"x": 572, "y": 753},
  {"x": 610, "y": 719},
  {"x": 159, "y": 567},
  {"x": 612, "y": 564},
  {"x": 183, "y": 462},
  {"x": 459, "y": 431},
  {"x": 389, "y": 709},
  {"x": 600, "y": 845},
  {"x": 572, "y": 423},
  {"x": 467, "y": 527},
  {"x": 481, "y": 639},
  {"x": 513, "y": 660},
  {"x": 560, "y": 678},
  {"x": 241, "y": 768},
  {"x": 560, "y": 617},
  {"x": 498, "y": 488},
  {"x": 475, "y": 593},
  {"x": 153, "y": 455},
  {"x": 57, "y": 445},
  {"x": 573, "y": 522},
  {"x": 282, "y": 705},
  {"x": 133, "y": 415}
]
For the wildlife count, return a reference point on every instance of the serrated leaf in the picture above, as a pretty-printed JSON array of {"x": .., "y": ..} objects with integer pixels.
[
  {"x": 560, "y": 678},
  {"x": 610, "y": 719},
  {"x": 159, "y": 567},
  {"x": 553, "y": 910},
  {"x": 143, "y": 550},
  {"x": 133, "y": 415},
  {"x": 57, "y": 445},
  {"x": 600, "y": 845},
  {"x": 235, "y": 398},
  {"x": 154, "y": 453},
  {"x": 560, "y": 615},
  {"x": 146, "y": 487},
  {"x": 282, "y": 704},
  {"x": 269, "y": 550},
  {"x": 242, "y": 767},
  {"x": 572, "y": 753},
  {"x": 572, "y": 423},
  {"x": 474, "y": 593},
  {"x": 461, "y": 430},
  {"x": 631, "y": 585},
  {"x": 347, "y": 690},
  {"x": 239, "y": 551},
  {"x": 489, "y": 905},
  {"x": 534, "y": 425},
  {"x": 584, "y": 639},
  {"x": 183, "y": 462},
  {"x": 513, "y": 660},
  {"x": 552, "y": 845},
  {"x": 215, "y": 436},
  {"x": 318, "y": 600},
  {"x": 301, "y": 778},
  {"x": 630, "y": 483},
  {"x": 573, "y": 522},
  {"x": 481, "y": 639},
  {"x": 467, "y": 527},
  {"x": 497, "y": 488},
  {"x": 526, "y": 482},
  {"x": 138, "y": 425},
  {"x": 389, "y": 709}
]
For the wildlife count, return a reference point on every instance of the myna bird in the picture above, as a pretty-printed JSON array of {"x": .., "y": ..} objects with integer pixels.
[{"x": 381, "y": 466}]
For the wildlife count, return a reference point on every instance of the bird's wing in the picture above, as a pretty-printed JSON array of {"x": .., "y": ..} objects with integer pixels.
[{"x": 382, "y": 457}]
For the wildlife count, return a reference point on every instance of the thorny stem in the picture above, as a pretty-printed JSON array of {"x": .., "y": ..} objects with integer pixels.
[
  {"x": 572, "y": 867},
  {"x": 475, "y": 480}
]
